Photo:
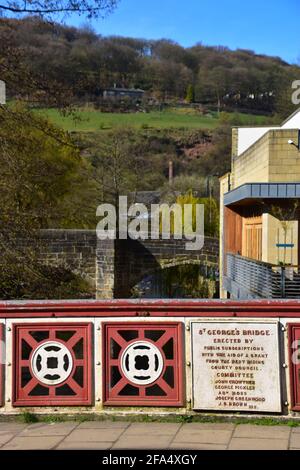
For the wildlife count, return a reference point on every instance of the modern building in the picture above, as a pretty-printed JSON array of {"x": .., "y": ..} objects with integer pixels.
[{"x": 260, "y": 213}]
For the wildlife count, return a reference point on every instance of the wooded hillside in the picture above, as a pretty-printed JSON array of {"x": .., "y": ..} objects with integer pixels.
[{"x": 83, "y": 63}]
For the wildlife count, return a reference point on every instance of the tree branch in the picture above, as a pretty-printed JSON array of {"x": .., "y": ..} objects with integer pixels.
[
  {"x": 52, "y": 10},
  {"x": 48, "y": 7}
]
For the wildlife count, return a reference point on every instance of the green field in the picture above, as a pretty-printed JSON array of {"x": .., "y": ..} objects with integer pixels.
[{"x": 90, "y": 120}]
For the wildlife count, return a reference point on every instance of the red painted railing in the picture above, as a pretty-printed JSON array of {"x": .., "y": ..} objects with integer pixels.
[
  {"x": 96, "y": 353},
  {"x": 148, "y": 308}
]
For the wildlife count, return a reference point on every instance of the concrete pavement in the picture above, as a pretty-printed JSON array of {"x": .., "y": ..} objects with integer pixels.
[{"x": 125, "y": 435}]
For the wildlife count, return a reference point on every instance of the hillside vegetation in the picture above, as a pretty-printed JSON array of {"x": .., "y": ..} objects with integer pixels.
[
  {"x": 79, "y": 64},
  {"x": 61, "y": 156},
  {"x": 91, "y": 120}
]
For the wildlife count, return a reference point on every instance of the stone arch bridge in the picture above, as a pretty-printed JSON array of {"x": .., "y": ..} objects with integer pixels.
[{"x": 115, "y": 267}]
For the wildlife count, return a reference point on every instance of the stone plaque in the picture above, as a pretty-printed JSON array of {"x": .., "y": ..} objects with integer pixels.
[{"x": 236, "y": 366}]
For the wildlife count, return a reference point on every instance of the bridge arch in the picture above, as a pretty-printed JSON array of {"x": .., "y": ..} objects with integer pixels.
[
  {"x": 179, "y": 279},
  {"x": 137, "y": 260},
  {"x": 114, "y": 267}
]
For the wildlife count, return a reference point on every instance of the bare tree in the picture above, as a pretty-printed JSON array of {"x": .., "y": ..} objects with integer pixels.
[{"x": 46, "y": 8}]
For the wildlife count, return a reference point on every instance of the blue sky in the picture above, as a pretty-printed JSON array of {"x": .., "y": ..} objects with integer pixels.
[{"x": 265, "y": 26}]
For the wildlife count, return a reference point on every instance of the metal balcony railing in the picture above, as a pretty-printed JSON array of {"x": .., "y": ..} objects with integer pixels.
[{"x": 263, "y": 280}]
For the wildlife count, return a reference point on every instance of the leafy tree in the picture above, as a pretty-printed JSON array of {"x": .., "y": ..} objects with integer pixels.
[
  {"x": 41, "y": 169},
  {"x": 41, "y": 172},
  {"x": 211, "y": 212},
  {"x": 183, "y": 183},
  {"x": 186, "y": 281},
  {"x": 190, "y": 94}
]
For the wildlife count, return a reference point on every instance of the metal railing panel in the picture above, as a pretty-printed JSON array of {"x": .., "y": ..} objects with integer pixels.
[{"x": 264, "y": 280}]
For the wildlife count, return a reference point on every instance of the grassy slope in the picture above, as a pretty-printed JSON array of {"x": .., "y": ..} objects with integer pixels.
[{"x": 89, "y": 120}]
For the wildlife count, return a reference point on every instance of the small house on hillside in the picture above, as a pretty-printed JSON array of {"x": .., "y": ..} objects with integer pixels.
[{"x": 135, "y": 94}]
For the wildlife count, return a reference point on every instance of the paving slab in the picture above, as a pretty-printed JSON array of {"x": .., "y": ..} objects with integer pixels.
[
  {"x": 12, "y": 427},
  {"x": 30, "y": 443},
  {"x": 140, "y": 429},
  {"x": 263, "y": 432},
  {"x": 104, "y": 425},
  {"x": 5, "y": 437},
  {"x": 295, "y": 440},
  {"x": 144, "y": 442},
  {"x": 208, "y": 426},
  {"x": 207, "y": 436},
  {"x": 49, "y": 429},
  {"x": 94, "y": 435},
  {"x": 258, "y": 444},
  {"x": 84, "y": 446},
  {"x": 296, "y": 430},
  {"x": 185, "y": 446}
]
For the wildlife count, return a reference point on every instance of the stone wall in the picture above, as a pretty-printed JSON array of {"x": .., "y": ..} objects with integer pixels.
[
  {"x": 269, "y": 160},
  {"x": 74, "y": 249},
  {"x": 252, "y": 165},
  {"x": 284, "y": 158},
  {"x": 105, "y": 269},
  {"x": 113, "y": 268}
]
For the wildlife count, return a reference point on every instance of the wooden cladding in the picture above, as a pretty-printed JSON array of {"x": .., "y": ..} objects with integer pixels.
[
  {"x": 233, "y": 232},
  {"x": 252, "y": 238},
  {"x": 242, "y": 235}
]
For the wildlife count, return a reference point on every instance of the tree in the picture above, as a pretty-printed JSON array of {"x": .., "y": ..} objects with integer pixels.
[
  {"x": 211, "y": 212},
  {"x": 47, "y": 61},
  {"x": 41, "y": 173},
  {"x": 126, "y": 161},
  {"x": 283, "y": 101},
  {"x": 39, "y": 168},
  {"x": 46, "y": 8},
  {"x": 287, "y": 216},
  {"x": 190, "y": 94},
  {"x": 184, "y": 183}
]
